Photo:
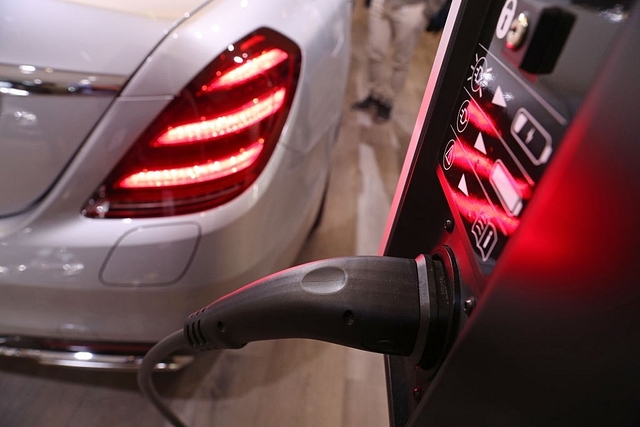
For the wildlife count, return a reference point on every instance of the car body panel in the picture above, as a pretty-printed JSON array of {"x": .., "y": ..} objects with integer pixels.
[
  {"x": 86, "y": 36},
  {"x": 190, "y": 45},
  {"x": 52, "y": 82},
  {"x": 58, "y": 274},
  {"x": 40, "y": 132}
]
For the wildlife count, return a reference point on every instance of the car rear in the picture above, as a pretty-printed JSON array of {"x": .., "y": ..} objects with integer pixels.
[{"x": 132, "y": 229}]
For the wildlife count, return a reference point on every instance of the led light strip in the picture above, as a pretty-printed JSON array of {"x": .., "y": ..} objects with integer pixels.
[
  {"x": 250, "y": 69},
  {"x": 235, "y": 121},
  {"x": 197, "y": 173}
]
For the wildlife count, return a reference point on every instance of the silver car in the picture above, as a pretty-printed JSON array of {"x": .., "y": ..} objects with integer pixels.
[{"x": 155, "y": 155}]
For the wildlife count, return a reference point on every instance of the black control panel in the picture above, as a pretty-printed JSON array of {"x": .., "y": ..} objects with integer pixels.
[
  {"x": 513, "y": 110},
  {"x": 525, "y": 174}
]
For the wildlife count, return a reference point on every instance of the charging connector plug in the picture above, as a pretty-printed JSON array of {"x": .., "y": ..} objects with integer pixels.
[
  {"x": 387, "y": 305},
  {"x": 369, "y": 303}
]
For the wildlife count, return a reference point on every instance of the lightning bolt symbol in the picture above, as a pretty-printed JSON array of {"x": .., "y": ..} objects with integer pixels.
[{"x": 530, "y": 134}]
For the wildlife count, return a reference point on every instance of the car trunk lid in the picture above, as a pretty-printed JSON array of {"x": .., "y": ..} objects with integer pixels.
[{"x": 61, "y": 65}]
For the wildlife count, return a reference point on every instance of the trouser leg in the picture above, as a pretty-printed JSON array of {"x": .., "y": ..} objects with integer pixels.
[
  {"x": 408, "y": 22},
  {"x": 378, "y": 43}
]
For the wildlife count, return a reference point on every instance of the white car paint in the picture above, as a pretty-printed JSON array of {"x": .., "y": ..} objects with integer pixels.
[{"x": 66, "y": 276}]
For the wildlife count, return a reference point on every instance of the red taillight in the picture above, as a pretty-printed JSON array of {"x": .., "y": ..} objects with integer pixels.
[
  {"x": 209, "y": 171},
  {"x": 231, "y": 122},
  {"x": 248, "y": 70},
  {"x": 213, "y": 140}
]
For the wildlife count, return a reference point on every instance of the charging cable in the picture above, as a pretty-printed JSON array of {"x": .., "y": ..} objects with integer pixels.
[{"x": 385, "y": 305}]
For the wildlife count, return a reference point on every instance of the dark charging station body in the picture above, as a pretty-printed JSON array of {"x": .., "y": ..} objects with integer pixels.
[
  {"x": 527, "y": 170},
  {"x": 509, "y": 286}
]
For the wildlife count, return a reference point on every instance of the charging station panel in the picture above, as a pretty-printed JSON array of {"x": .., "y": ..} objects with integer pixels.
[
  {"x": 525, "y": 81},
  {"x": 526, "y": 170}
]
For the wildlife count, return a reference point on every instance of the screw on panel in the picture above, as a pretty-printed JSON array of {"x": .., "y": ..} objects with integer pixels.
[
  {"x": 469, "y": 305},
  {"x": 448, "y": 225}
]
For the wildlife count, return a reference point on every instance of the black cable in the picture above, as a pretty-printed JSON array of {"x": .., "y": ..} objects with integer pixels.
[
  {"x": 386, "y": 305},
  {"x": 167, "y": 346}
]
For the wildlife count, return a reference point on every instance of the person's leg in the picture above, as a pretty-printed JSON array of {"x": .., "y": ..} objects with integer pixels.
[
  {"x": 378, "y": 42},
  {"x": 380, "y": 33},
  {"x": 408, "y": 24}
]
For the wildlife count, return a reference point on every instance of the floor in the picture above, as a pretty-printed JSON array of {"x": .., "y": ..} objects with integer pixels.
[{"x": 277, "y": 383}]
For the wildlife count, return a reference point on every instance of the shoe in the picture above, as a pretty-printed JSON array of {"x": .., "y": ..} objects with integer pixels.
[
  {"x": 383, "y": 113},
  {"x": 366, "y": 104}
]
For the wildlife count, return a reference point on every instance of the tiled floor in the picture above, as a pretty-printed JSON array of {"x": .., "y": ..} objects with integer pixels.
[{"x": 282, "y": 383}]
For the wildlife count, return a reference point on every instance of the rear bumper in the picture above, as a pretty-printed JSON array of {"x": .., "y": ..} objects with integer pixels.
[{"x": 86, "y": 355}]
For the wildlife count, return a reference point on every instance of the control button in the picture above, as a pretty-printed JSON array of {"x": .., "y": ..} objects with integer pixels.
[
  {"x": 498, "y": 98},
  {"x": 532, "y": 137},
  {"x": 449, "y": 155},
  {"x": 506, "y": 188},
  {"x": 480, "y": 74},
  {"x": 463, "y": 117},
  {"x": 547, "y": 41},
  {"x": 462, "y": 186},
  {"x": 536, "y": 38},
  {"x": 480, "y": 145},
  {"x": 485, "y": 235}
]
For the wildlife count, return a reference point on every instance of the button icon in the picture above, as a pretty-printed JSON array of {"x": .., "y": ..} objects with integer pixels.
[
  {"x": 449, "y": 155},
  {"x": 498, "y": 98},
  {"x": 480, "y": 145},
  {"x": 532, "y": 137},
  {"x": 462, "y": 186},
  {"x": 506, "y": 17},
  {"x": 480, "y": 74},
  {"x": 486, "y": 236},
  {"x": 463, "y": 116}
]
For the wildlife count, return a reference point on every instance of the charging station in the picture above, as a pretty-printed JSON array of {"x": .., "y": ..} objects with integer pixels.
[
  {"x": 523, "y": 179},
  {"x": 508, "y": 286}
]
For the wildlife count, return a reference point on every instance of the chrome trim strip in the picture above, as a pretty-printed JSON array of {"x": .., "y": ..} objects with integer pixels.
[
  {"x": 24, "y": 80},
  {"x": 89, "y": 360}
]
